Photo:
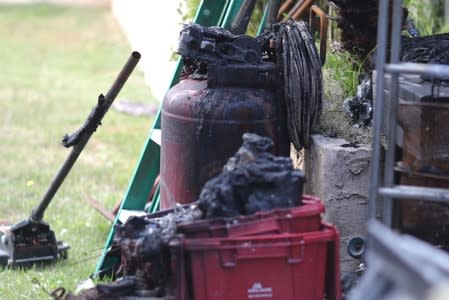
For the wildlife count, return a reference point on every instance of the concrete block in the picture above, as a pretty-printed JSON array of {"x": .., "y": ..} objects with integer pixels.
[{"x": 338, "y": 173}]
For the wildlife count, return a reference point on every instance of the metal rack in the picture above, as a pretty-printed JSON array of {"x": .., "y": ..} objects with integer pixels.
[{"x": 388, "y": 191}]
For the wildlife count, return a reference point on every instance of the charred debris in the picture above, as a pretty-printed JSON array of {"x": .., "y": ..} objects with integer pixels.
[
  {"x": 148, "y": 246},
  {"x": 253, "y": 180},
  {"x": 357, "y": 21},
  {"x": 431, "y": 49},
  {"x": 231, "y": 84},
  {"x": 286, "y": 53}
]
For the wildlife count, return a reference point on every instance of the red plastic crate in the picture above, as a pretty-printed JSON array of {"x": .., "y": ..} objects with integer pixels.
[
  {"x": 298, "y": 266},
  {"x": 304, "y": 218}
]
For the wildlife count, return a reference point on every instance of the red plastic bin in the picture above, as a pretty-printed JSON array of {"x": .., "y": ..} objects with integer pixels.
[
  {"x": 298, "y": 266},
  {"x": 304, "y": 218}
]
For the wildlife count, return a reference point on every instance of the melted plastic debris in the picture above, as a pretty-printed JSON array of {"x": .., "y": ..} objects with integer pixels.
[{"x": 252, "y": 180}]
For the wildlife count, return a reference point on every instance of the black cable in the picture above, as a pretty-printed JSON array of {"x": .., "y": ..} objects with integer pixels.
[{"x": 302, "y": 80}]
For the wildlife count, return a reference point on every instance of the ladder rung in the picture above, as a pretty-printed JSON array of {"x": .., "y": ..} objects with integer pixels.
[
  {"x": 415, "y": 193},
  {"x": 124, "y": 214},
  {"x": 436, "y": 71},
  {"x": 156, "y": 136}
]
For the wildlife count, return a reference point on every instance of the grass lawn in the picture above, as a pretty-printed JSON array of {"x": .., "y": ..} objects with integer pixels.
[{"x": 54, "y": 61}]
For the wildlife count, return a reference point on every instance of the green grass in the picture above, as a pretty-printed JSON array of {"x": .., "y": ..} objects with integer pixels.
[
  {"x": 341, "y": 67},
  {"x": 54, "y": 62},
  {"x": 340, "y": 80},
  {"x": 428, "y": 16}
]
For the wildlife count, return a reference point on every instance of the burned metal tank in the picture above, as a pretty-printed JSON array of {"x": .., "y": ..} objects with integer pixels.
[{"x": 226, "y": 90}]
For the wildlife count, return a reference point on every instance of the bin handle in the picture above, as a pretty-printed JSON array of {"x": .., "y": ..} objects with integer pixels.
[
  {"x": 269, "y": 225},
  {"x": 293, "y": 251}
]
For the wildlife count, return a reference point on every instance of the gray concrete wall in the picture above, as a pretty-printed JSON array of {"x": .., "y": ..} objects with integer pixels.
[{"x": 339, "y": 175}]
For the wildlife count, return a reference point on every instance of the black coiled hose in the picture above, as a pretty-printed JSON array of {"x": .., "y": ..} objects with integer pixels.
[{"x": 302, "y": 80}]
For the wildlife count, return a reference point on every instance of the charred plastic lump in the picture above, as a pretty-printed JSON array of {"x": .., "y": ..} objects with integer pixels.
[
  {"x": 252, "y": 180},
  {"x": 148, "y": 254},
  {"x": 227, "y": 88},
  {"x": 151, "y": 248}
]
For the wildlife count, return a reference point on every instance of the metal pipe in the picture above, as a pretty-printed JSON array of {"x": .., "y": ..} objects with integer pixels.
[
  {"x": 292, "y": 10},
  {"x": 390, "y": 159},
  {"x": 302, "y": 8},
  {"x": 284, "y": 8},
  {"x": 378, "y": 109},
  {"x": 232, "y": 9},
  {"x": 436, "y": 71},
  {"x": 92, "y": 122},
  {"x": 241, "y": 20},
  {"x": 273, "y": 8},
  {"x": 315, "y": 10},
  {"x": 122, "y": 77},
  {"x": 416, "y": 193}
]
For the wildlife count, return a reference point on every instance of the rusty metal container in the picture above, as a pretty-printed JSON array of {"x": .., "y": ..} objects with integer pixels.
[
  {"x": 426, "y": 220},
  {"x": 426, "y": 135},
  {"x": 202, "y": 126},
  {"x": 425, "y": 162},
  {"x": 227, "y": 88}
]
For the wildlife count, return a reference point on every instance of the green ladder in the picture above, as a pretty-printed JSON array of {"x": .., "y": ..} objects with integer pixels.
[{"x": 210, "y": 13}]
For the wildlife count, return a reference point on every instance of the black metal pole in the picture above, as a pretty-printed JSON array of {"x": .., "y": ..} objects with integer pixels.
[
  {"x": 94, "y": 119},
  {"x": 243, "y": 17},
  {"x": 272, "y": 13}
]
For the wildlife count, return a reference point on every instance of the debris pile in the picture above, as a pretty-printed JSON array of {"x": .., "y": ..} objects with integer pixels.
[
  {"x": 286, "y": 55},
  {"x": 144, "y": 252},
  {"x": 358, "y": 23},
  {"x": 359, "y": 107},
  {"x": 252, "y": 180},
  {"x": 432, "y": 49},
  {"x": 145, "y": 270}
]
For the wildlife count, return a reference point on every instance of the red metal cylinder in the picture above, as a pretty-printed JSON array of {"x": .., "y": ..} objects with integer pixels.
[{"x": 202, "y": 127}]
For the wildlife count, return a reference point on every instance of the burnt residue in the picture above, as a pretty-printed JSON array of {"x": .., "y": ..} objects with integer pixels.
[
  {"x": 145, "y": 269},
  {"x": 359, "y": 108},
  {"x": 358, "y": 23},
  {"x": 350, "y": 145},
  {"x": 127, "y": 287},
  {"x": 143, "y": 251},
  {"x": 228, "y": 87},
  {"x": 204, "y": 109},
  {"x": 302, "y": 80},
  {"x": 202, "y": 127},
  {"x": 432, "y": 49},
  {"x": 252, "y": 180}
]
